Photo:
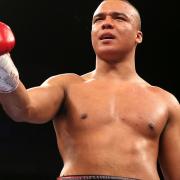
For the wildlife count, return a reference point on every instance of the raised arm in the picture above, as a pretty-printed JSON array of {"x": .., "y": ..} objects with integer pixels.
[
  {"x": 169, "y": 151},
  {"x": 35, "y": 105}
]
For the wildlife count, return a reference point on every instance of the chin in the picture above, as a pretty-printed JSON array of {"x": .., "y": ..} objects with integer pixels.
[
  {"x": 110, "y": 55},
  {"x": 109, "y": 58}
]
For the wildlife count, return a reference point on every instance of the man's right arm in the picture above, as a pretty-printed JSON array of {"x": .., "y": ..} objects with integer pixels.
[{"x": 35, "y": 105}]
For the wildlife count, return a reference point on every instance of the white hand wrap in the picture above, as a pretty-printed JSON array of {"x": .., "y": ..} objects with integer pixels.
[{"x": 9, "y": 76}]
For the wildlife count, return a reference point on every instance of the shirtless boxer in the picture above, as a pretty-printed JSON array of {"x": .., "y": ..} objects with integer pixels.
[{"x": 109, "y": 123}]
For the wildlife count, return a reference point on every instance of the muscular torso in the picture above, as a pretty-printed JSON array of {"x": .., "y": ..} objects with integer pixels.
[{"x": 110, "y": 128}]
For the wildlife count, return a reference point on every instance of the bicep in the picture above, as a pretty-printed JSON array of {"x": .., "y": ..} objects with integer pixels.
[
  {"x": 169, "y": 152},
  {"x": 45, "y": 101}
]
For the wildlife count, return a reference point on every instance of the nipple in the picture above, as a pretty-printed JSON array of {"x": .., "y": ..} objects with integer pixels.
[
  {"x": 83, "y": 116},
  {"x": 151, "y": 126}
]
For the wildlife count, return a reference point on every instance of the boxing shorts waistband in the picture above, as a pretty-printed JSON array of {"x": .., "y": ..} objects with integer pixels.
[{"x": 94, "y": 177}]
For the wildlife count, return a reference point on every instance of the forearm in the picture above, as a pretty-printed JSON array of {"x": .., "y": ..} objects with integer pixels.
[
  {"x": 35, "y": 105},
  {"x": 16, "y": 104},
  {"x": 13, "y": 95}
]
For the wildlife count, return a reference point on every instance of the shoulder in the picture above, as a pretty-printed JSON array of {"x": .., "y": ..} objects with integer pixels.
[
  {"x": 169, "y": 99},
  {"x": 160, "y": 93},
  {"x": 164, "y": 94},
  {"x": 63, "y": 79},
  {"x": 87, "y": 76}
]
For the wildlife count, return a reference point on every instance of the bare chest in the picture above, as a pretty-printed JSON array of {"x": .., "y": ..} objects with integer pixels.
[{"x": 131, "y": 109}]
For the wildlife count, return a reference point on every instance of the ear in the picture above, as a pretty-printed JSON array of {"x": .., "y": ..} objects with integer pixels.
[{"x": 139, "y": 37}]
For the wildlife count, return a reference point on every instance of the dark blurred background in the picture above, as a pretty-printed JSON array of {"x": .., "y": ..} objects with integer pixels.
[{"x": 53, "y": 37}]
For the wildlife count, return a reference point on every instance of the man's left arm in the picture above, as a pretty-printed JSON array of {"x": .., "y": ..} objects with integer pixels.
[{"x": 169, "y": 150}]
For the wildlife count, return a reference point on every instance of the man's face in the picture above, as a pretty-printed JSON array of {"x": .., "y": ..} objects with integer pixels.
[{"x": 115, "y": 29}]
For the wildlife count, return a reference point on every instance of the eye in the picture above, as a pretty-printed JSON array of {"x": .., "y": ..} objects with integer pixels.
[
  {"x": 120, "y": 18},
  {"x": 97, "y": 19}
]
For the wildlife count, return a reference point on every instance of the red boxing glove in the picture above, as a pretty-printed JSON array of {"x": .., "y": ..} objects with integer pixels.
[{"x": 7, "y": 39}]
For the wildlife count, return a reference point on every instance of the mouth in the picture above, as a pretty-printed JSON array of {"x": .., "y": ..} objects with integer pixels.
[{"x": 107, "y": 36}]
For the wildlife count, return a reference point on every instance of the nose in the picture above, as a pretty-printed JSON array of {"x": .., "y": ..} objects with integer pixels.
[{"x": 107, "y": 24}]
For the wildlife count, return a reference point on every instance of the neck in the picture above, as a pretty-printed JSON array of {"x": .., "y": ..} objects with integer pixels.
[{"x": 122, "y": 69}]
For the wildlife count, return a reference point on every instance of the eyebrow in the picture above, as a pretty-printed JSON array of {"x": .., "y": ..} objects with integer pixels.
[{"x": 111, "y": 14}]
